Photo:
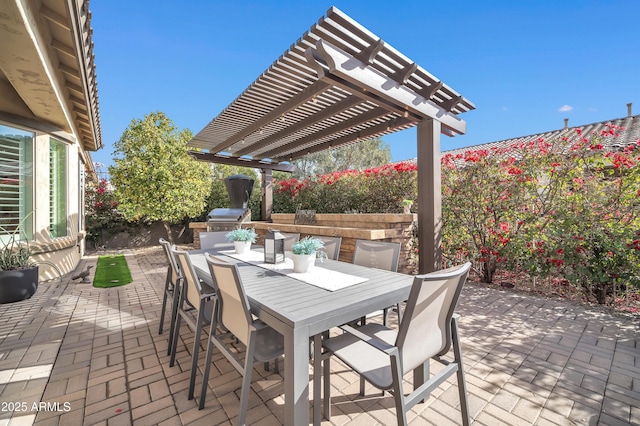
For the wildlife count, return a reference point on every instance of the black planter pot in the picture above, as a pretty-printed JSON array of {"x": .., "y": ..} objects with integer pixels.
[{"x": 18, "y": 285}]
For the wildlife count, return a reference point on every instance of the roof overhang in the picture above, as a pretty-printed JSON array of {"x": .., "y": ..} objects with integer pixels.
[
  {"x": 338, "y": 84},
  {"x": 47, "y": 68}
]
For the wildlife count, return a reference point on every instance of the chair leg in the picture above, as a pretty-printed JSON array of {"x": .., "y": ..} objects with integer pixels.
[
  {"x": 326, "y": 372},
  {"x": 385, "y": 314},
  {"x": 462, "y": 386},
  {"x": 246, "y": 381},
  {"x": 174, "y": 312},
  {"x": 194, "y": 356},
  {"x": 164, "y": 300},
  {"x": 398, "y": 394},
  {"x": 174, "y": 341},
  {"x": 207, "y": 367}
]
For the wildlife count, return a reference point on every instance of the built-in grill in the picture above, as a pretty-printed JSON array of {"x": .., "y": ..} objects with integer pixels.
[{"x": 239, "y": 188}]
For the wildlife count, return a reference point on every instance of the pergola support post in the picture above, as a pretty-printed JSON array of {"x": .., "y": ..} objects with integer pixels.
[
  {"x": 429, "y": 196},
  {"x": 267, "y": 195}
]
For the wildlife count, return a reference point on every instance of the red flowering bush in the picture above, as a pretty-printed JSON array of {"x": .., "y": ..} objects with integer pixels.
[
  {"x": 546, "y": 208},
  {"x": 102, "y": 216},
  {"x": 375, "y": 190}
]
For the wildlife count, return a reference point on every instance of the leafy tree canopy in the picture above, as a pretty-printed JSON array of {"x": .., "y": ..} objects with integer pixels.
[
  {"x": 357, "y": 156},
  {"x": 154, "y": 177}
]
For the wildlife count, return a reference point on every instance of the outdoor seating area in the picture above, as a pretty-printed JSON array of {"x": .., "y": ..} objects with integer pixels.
[{"x": 94, "y": 356}]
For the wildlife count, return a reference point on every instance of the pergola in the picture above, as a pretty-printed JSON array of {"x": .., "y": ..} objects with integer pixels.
[{"x": 337, "y": 85}]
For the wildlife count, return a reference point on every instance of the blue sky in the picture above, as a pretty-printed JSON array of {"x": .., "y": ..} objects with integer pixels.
[{"x": 526, "y": 65}]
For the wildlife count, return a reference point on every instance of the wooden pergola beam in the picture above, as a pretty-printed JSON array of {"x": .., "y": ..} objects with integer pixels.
[
  {"x": 331, "y": 111},
  {"x": 299, "y": 144},
  {"x": 305, "y": 95},
  {"x": 367, "y": 133},
  {"x": 242, "y": 162},
  {"x": 331, "y": 61}
]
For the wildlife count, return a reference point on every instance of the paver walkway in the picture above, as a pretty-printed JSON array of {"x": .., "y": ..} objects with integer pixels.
[{"x": 74, "y": 354}]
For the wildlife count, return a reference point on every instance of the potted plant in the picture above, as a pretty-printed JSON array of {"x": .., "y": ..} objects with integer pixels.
[
  {"x": 305, "y": 252},
  {"x": 406, "y": 204},
  {"x": 18, "y": 273},
  {"x": 242, "y": 239}
]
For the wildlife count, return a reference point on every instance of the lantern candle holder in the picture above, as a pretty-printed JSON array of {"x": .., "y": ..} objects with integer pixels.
[{"x": 274, "y": 247}]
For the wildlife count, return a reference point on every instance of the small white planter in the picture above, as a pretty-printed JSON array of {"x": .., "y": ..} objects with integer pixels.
[
  {"x": 242, "y": 247},
  {"x": 303, "y": 263}
]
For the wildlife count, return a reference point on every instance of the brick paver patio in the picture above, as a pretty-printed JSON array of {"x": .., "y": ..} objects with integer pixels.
[{"x": 74, "y": 354}]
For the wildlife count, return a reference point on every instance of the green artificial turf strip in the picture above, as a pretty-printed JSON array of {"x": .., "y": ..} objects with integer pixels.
[{"x": 112, "y": 271}]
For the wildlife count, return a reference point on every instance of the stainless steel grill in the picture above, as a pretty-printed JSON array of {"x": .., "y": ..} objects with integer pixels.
[{"x": 239, "y": 188}]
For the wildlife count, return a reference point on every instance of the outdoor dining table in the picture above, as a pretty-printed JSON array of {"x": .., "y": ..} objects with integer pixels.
[{"x": 299, "y": 310}]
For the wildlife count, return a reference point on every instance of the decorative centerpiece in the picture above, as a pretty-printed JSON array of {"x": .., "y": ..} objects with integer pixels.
[
  {"x": 274, "y": 247},
  {"x": 305, "y": 253},
  {"x": 242, "y": 239},
  {"x": 18, "y": 273}
]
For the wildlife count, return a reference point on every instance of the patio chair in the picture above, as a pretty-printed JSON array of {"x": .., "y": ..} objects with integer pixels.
[
  {"x": 382, "y": 355},
  {"x": 263, "y": 343},
  {"x": 331, "y": 246},
  {"x": 196, "y": 300},
  {"x": 171, "y": 291},
  {"x": 215, "y": 240},
  {"x": 379, "y": 255},
  {"x": 290, "y": 239}
]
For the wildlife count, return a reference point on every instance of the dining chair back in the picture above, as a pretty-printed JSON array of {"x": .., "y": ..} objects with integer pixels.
[
  {"x": 290, "y": 239},
  {"x": 233, "y": 304},
  {"x": 425, "y": 330},
  {"x": 331, "y": 246},
  {"x": 171, "y": 291},
  {"x": 262, "y": 342},
  {"x": 196, "y": 299},
  {"x": 215, "y": 240},
  {"x": 383, "y": 356},
  {"x": 379, "y": 255}
]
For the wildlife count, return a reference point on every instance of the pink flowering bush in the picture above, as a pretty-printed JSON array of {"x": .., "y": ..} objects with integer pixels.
[
  {"x": 548, "y": 208},
  {"x": 102, "y": 217},
  {"x": 376, "y": 190},
  {"x": 563, "y": 208}
]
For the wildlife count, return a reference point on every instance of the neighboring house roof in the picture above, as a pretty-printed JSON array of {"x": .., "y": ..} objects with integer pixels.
[
  {"x": 630, "y": 135},
  {"x": 47, "y": 67}
]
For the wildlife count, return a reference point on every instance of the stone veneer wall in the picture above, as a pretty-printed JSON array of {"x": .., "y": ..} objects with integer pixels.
[{"x": 351, "y": 227}]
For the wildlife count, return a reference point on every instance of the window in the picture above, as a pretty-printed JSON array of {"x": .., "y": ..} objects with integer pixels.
[
  {"x": 81, "y": 189},
  {"x": 16, "y": 182},
  {"x": 57, "y": 189}
]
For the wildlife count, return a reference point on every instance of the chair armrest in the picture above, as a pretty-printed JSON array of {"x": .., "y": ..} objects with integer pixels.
[{"x": 373, "y": 341}]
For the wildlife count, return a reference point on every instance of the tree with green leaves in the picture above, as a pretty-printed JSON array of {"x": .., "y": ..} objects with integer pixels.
[
  {"x": 154, "y": 177},
  {"x": 357, "y": 156}
]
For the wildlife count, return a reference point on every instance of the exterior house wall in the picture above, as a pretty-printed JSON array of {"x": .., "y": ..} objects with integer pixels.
[{"x": 48, "y": 89}]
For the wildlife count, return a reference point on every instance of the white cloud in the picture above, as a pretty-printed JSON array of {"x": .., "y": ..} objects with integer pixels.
[{"x": 565, "y": 108}]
